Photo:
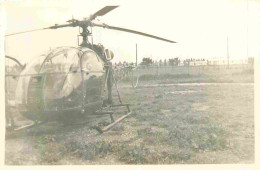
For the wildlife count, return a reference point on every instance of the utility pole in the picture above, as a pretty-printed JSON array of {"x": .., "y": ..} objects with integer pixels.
[
  {"x": 227, "y": 53},
  {"x": 136, "y": 54},
  {"x": 247, "y": 29}
]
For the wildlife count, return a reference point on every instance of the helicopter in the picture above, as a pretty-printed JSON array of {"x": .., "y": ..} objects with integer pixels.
[{"x": 69, "y": 83}]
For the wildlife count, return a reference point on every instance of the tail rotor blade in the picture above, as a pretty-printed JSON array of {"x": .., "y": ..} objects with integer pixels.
[{"x": 131, "y": 31}]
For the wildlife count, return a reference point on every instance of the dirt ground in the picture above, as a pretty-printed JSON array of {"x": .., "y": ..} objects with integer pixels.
[{"x": 187, "y": 124}]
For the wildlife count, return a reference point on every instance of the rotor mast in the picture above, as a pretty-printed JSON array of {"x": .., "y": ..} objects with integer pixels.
[{"x": 85, "y": 33}]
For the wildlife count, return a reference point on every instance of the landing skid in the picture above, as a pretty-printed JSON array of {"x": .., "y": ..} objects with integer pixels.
[
  {"x": 113, "y": 122},
  {"x": 28, "y": 126},
  {"x": 103, "y": 111}
]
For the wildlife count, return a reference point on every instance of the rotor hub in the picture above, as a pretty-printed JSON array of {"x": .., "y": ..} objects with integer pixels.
[{"x": 85, "y": 33}]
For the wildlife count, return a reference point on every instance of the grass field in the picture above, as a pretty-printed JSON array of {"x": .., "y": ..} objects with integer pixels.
[{"x": 187, "y": 124}]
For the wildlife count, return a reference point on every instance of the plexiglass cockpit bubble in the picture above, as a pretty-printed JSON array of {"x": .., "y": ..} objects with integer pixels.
[{"x": 60, "y": 79}]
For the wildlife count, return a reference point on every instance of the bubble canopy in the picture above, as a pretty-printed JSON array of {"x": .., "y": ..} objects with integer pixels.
[
  {"x": 52, "y": 61},
  {"x": 59, "y": 71}
]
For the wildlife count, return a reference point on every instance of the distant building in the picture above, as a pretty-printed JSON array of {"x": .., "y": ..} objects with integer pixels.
[
  {"x": 198, "y": 63},
  {"x": 225, "y": 62},
  {"x": 181, "y": 63}
]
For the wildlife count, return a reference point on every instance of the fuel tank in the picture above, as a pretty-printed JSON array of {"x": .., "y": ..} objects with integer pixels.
[{"x": 61, "y": 83}]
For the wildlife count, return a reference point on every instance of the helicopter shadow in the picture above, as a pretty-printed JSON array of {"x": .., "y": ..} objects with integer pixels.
[{"x": 58, "y": 128}]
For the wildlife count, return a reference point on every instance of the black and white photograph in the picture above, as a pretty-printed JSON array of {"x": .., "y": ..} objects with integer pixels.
[{"x": 100, "y": 82}]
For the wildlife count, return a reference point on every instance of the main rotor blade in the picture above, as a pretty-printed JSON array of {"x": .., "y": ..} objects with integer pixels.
[
  {"x": 51, "y": 27},
  {"x": 25, "y": 32},
  {"x": 131, "y": 31},
  {"x": 102, "y": 11}
]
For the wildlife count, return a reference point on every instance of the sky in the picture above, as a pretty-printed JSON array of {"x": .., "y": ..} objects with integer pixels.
[{"x": 200, "y": 27}]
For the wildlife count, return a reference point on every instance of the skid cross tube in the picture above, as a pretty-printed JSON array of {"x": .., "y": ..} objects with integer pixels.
[
  {"x": 113, "y": 122},
  {"x": 108, "y": 127}
]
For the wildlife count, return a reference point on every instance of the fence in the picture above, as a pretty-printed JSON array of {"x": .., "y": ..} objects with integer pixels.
[{"x": 193, "y": 70}]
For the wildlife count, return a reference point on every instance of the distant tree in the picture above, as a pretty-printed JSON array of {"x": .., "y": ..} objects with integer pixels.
[
  {"x": 251, "y": 60},
  {"x": 165, "y": 62},
  {"x": 147, "y": 61},
  {"x": 171, "y": 62},
  {"x": 160, "y": 63},
  {"x": 174, "y": 62}
]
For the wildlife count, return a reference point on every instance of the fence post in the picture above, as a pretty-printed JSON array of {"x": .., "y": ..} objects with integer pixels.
[{"x": 188, "y": 68}]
